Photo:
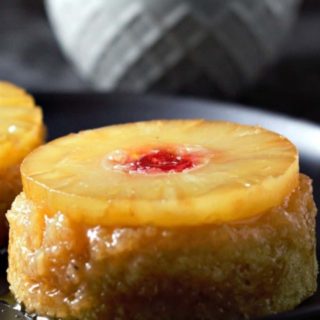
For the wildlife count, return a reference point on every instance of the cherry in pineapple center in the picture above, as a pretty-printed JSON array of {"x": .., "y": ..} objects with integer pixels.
[{"x": 158, "y": 160}]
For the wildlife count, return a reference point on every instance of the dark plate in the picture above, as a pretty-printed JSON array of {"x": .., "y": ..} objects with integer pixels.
[{"x": 65, "y": 113}]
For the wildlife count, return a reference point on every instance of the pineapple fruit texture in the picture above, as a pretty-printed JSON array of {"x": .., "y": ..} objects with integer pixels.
[
  {"x": 163, "y": 220},
  {"x": 21, "y": 130}
]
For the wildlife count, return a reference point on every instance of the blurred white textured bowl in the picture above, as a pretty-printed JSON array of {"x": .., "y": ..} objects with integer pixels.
[{"x": 138, "y": 45}]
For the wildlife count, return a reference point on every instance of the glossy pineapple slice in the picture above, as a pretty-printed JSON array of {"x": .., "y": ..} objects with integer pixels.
[
  {"x": 25, "y": 101},
  {"x": 21, "y": 130},
  {"x": 13, "y": 96},
  {"x": 163, "y": 173},
  {"x": 10, "y": 89}
]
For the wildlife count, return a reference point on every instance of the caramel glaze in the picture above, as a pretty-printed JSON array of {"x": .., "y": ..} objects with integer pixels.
[
  {"x": 10, "y": 186},
  {"x": 231, "y": 271}
]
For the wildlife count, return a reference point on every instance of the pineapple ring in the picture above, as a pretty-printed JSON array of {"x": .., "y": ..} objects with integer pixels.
[
  {"x": 9, "y": 89},
  {"x": 249, "y": 170},
  {"x": 13, "y": 96},
  {"x": 24, "y": 101},
  {"x": 21, "y": 128}
]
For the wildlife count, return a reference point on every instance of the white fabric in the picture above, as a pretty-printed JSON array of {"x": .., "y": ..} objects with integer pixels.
[{"x": 134, "y": 44}]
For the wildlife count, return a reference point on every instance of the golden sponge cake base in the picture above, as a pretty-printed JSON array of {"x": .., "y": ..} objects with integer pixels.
[{"x": 246, "y": 269}]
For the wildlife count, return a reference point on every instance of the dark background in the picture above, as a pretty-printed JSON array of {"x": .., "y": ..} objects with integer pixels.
[{"x": 30, "y": 56}]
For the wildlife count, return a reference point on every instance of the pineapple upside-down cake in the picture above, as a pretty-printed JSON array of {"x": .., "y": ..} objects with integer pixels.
[
  {"x": 21, "y": 130},
  {"x": 183, "y": 219}
]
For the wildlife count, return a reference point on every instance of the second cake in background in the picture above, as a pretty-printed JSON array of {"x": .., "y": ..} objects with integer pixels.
[{"x": 21, "y": 130}]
